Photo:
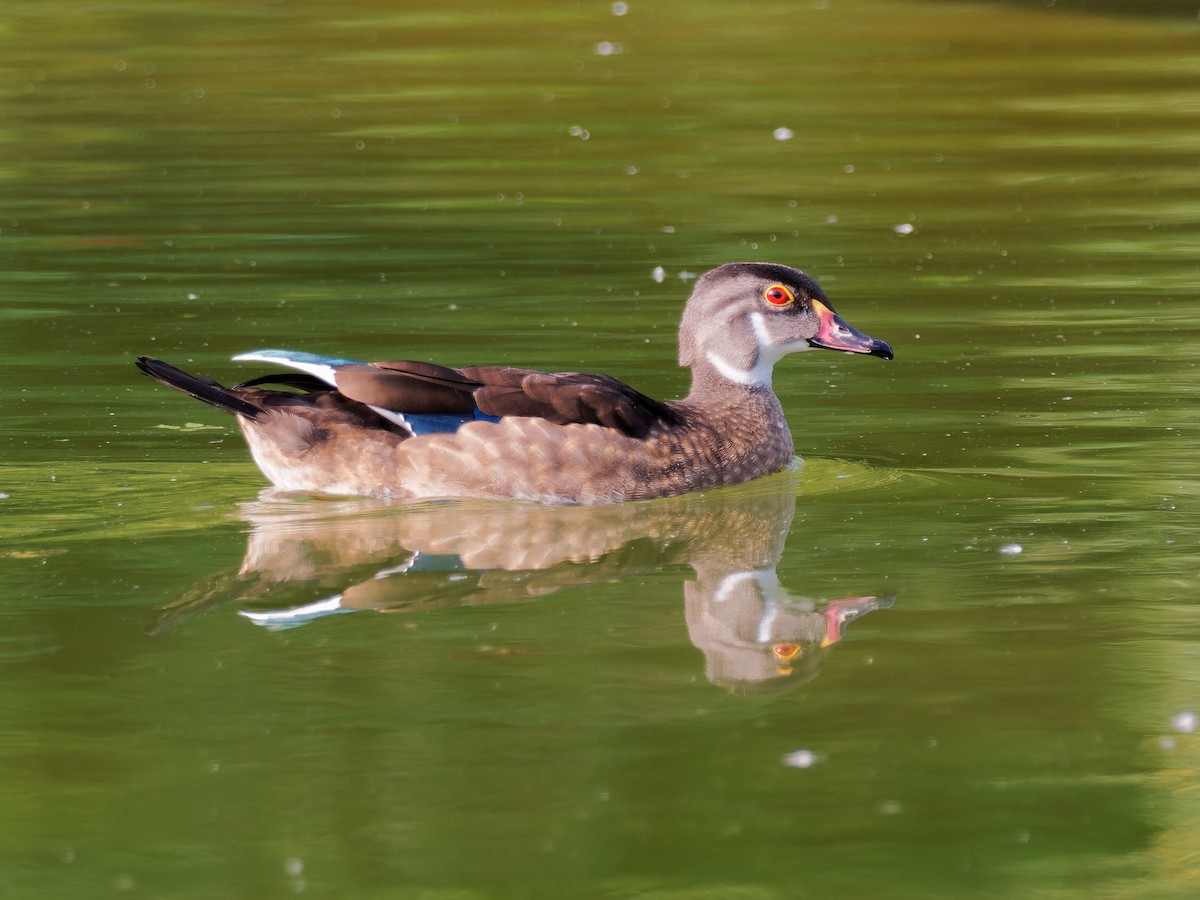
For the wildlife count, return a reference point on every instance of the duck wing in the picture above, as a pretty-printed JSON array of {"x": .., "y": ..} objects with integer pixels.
[{"x": 563, "y": 398}]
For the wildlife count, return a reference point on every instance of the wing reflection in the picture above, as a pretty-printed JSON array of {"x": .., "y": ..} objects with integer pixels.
[{"x": 305, "y": 561}]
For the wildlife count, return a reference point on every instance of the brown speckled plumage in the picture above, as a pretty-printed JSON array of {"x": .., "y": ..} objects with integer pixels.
[{"x": 560, "y": 437}]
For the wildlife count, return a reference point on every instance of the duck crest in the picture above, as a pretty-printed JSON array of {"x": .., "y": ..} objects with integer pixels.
[{"x": 420, "y": 430}]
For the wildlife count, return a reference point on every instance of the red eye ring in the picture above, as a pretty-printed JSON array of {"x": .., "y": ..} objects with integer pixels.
[{"x": 778, "y": 295}]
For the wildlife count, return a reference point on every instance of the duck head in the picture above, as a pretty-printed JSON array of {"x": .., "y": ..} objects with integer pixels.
[{"x": 742, "y": 318}]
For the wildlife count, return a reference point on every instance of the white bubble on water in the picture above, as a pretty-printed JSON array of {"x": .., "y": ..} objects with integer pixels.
[
  {"x": 1011, "y": 549},
  {"x": 800, "y": 759},
  {"x": 1184, "y": 722}
]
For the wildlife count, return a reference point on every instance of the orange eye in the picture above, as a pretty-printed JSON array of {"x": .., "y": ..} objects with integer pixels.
[
  {"x": 786, "y": 652},
  {"x": 778, "y": 295}
]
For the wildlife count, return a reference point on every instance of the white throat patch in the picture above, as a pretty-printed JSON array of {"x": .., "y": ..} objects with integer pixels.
[{"x": 765, "y": 357}]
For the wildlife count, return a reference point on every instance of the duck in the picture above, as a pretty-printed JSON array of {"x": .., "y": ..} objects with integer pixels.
[{"x": 414, "y": 430}]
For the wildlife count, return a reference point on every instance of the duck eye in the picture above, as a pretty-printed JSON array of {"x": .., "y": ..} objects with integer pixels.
[{"x": 778, "y": 295}]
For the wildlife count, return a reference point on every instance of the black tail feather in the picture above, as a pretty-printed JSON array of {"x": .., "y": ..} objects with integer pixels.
[
  {"x": 306, "y": 383},
  {"x": 203, "y": 389}
]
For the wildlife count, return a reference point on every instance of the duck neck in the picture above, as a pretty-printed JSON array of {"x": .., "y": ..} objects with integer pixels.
[
  {"x": 713, "y": 388},
  {"x": 711, "y": 379}
]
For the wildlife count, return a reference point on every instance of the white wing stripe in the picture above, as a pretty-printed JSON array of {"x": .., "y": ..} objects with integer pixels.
[{"x": 326, "y": 373}]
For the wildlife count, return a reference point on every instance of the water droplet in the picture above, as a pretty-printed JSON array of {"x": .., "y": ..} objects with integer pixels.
[
  {"x": 800, "y": 759},
  {"x": 1184, "y": 722},
  {"x": 784, "y": 134},
  {"x": 1011, "y": 549}
]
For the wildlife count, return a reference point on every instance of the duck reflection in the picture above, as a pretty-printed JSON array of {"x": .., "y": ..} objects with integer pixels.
[{"x": 305, "y": 561}]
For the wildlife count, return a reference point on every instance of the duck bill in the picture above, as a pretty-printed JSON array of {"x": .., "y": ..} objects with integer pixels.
[{"x": 837, "y": 335}]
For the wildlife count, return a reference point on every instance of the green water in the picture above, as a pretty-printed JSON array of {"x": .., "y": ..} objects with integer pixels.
[{"x": 955, "y": 654}]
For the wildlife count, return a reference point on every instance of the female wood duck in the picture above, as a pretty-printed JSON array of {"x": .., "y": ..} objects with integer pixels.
[{"x": 419, "y": 430}]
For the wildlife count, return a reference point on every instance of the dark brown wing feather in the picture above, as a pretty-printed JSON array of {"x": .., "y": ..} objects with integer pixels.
[
  {"x": 563, "y": 398},
  {"x": 409, "y": 387},
  {"x": 567, "y": 398}
]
